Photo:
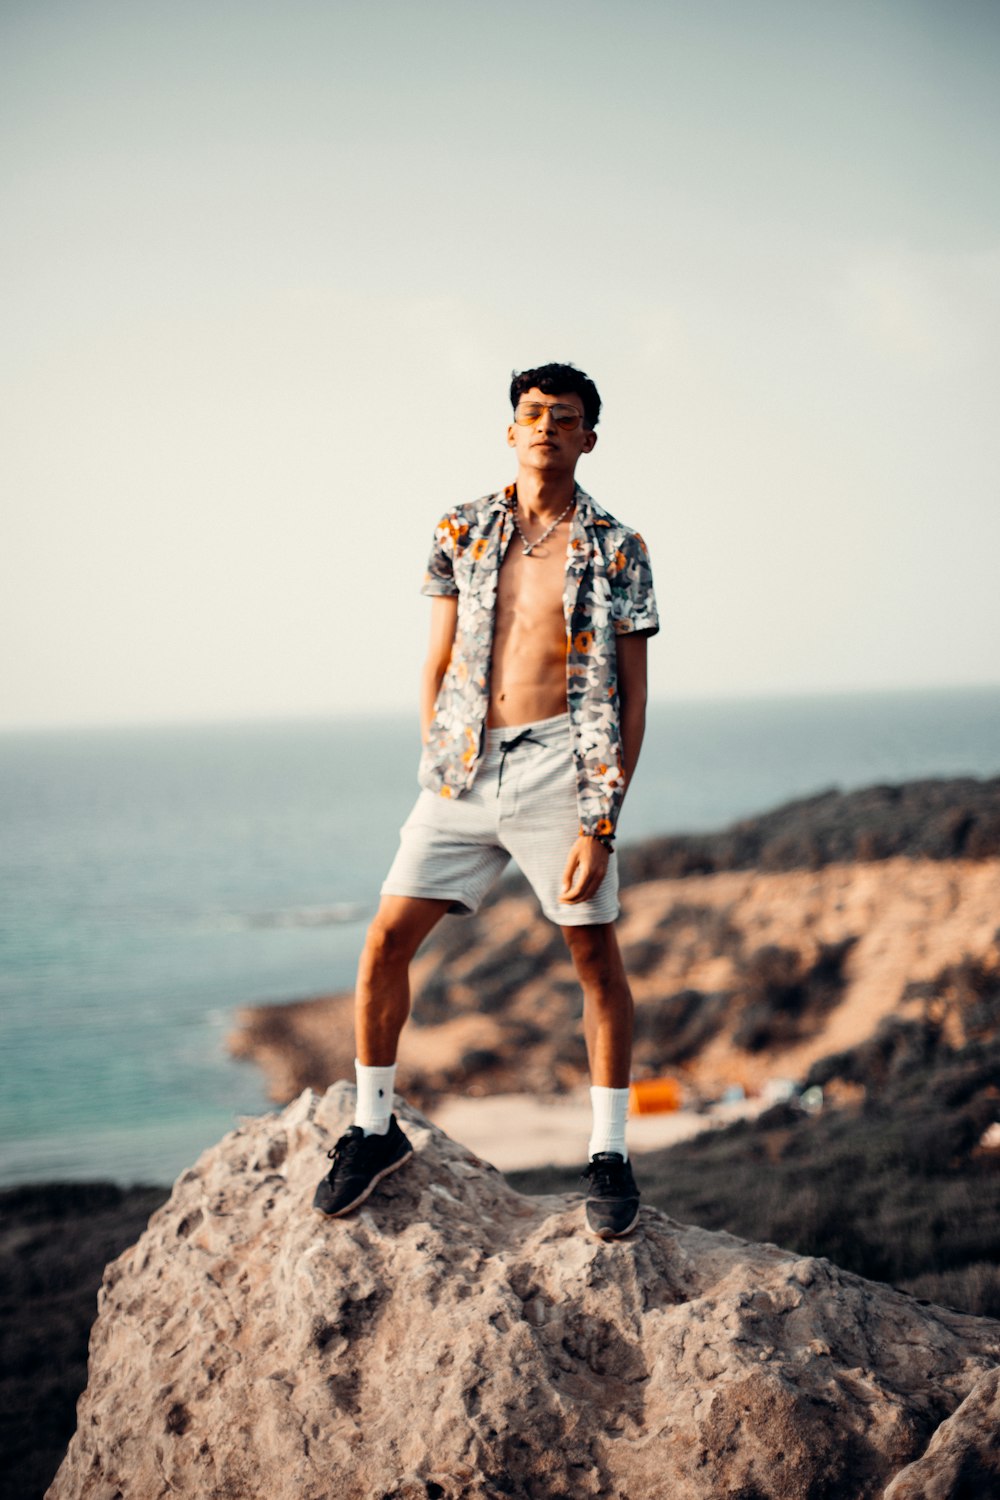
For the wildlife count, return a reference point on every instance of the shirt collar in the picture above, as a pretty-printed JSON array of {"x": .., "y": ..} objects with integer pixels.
[{"x": 584, "y": 507}]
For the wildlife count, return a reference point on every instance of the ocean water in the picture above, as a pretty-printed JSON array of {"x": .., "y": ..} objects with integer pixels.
[{"x": 153, "y": 880}]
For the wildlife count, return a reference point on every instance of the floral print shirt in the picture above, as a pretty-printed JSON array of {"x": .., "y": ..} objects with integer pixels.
[{"x": 608, "y": 592}]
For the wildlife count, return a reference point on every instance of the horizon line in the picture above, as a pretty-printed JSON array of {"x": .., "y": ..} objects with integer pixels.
[{"x": 260, "y": 719}]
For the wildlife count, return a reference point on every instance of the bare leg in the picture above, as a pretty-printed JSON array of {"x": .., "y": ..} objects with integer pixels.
[
  {"x": 382, "y": 996},
  {"x": 607, "y": 1002}
]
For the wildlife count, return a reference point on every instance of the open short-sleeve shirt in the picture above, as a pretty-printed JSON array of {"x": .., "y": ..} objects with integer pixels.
[{"x": 608, "y": 593}]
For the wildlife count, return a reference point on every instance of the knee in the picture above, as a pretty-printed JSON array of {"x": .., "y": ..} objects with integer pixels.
[
  {"x": 387, "y": 945},
  {"x": 595, "y": 956}
]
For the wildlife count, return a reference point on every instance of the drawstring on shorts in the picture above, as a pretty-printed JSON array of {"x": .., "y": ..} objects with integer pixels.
[{"x": 506, "y": 746}]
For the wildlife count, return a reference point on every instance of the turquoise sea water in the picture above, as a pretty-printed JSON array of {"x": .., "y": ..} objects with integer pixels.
[{"x": 152, "y": 880}]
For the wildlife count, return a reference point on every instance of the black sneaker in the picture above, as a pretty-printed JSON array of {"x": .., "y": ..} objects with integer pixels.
[
  {"x": 613, "y": 1198},
  {"x": 359, "y": 1162}
]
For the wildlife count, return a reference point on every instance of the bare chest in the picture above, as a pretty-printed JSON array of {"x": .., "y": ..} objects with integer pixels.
[{"x": 532, "y": 587}]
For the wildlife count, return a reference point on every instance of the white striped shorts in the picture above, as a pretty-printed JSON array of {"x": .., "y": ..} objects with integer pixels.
[{"x": 522, "y": 805}]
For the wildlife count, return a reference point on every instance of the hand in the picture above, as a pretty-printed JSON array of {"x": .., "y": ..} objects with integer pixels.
[{"x": 585, "y": 869}]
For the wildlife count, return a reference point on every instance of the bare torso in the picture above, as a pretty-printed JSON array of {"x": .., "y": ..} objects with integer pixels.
[{"x": 528, "y": 673}]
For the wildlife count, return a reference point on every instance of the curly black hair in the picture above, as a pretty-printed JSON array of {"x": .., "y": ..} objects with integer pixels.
[{"x": 556, "y": 380}]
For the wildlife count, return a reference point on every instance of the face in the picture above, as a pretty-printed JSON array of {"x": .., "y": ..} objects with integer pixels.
[{"x": 545, "y": 446}]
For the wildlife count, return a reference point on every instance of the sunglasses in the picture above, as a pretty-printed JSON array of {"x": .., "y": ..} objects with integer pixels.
[{"x": 530, "y": 412}]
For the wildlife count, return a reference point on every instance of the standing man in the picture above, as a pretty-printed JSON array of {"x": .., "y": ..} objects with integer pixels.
[{"x": 533, "y": 704}]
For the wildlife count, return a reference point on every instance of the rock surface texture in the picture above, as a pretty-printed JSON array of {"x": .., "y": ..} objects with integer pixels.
[
  {"x": 964, "y": 1454},
  {"x": 455, "y": 1339}
]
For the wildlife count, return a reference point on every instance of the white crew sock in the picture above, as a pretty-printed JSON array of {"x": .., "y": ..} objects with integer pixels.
[
  {"x": 374, "y": 1104},
  {"x": 610, "y": 1108}
]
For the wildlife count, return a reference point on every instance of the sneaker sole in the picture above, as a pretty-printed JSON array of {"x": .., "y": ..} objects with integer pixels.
[
  {"x": 614, "y": 1234},
  {"x": 339, "y": 1213}
]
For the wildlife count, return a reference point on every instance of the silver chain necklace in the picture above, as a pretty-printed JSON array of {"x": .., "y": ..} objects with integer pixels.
[{"x": 528, "y": 547}]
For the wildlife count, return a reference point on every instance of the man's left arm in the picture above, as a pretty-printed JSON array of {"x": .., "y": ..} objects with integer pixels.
[
  {"x": 588, "y": 860},
  {"x": 632, "y": 698}
]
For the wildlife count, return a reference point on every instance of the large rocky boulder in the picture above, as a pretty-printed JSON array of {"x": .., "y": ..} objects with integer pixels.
[
  {"x": 456, "y": 1339},
  {"x": 963, "y": 1458}
]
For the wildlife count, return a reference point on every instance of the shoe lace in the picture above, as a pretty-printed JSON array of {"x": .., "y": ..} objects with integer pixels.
[
  {"x": 604, "y": 1175},
  {"x": 344, "y": 1151}
]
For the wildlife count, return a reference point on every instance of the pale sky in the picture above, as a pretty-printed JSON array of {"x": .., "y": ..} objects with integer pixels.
[{"x": 265, "y": 270}]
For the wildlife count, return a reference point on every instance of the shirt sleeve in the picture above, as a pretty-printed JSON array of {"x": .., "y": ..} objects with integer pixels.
[
  {"x": 633, "y": 603},
  {"x": 440, "y": 576}
]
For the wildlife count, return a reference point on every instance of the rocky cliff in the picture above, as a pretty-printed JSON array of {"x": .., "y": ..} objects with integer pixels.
[
  {"x": 738, "y": 976},
  {"x": 753, "y": 952},
  {"x": 456, "y": 1339}
]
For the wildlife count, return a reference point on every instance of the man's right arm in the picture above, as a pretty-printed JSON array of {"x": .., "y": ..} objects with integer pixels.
[{"x": 444, "y": 619}]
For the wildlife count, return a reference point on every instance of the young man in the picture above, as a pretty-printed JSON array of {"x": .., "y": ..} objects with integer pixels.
[{"x": 533, "y": 709}]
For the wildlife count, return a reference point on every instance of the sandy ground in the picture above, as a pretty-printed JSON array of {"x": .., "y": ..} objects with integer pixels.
[{"x": 515, "y": 1131}]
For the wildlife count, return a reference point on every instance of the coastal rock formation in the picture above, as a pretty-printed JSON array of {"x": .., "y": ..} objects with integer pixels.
[
  {"x": 963, "y": 1457},
  {"x": 456, "y": 1339},
  {"x": 754, "y": 952},
  {"x": 941, "y": 817},
  {"x": 738, "y": 976}
]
